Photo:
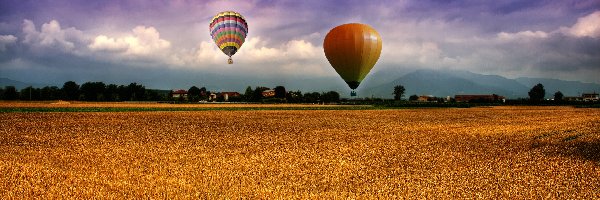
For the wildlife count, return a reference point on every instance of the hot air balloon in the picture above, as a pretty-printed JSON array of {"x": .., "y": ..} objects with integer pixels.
[
  {"x": 352, "y": 50},
  {"x": 228, "y": 29}
]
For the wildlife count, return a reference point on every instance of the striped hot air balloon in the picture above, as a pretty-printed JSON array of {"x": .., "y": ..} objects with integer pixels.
[
  {"x": 228, "y": 29},
  {"x": 352, "y": 50}
]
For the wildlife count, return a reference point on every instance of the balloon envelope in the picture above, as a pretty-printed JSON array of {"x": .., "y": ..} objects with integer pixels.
[
  {"x": 228, "y": 29},
  {"x": 352, "y": 50}
]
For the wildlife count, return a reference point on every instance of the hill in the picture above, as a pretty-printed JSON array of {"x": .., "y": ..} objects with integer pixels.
[{"x": 443, "y": 83}]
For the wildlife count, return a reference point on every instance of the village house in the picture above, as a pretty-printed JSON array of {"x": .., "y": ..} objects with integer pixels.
[
  {"x": 176, "y": 94},
  {"x": 584, "y": 97},
  {"x": 590, "y": 96},
  {"x": 227, "y": 95},
  {"x": 427, "y": 98},
  {"x": 268, "y": 93}
]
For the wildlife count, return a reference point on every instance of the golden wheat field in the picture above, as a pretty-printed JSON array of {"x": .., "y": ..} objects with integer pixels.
[{"x": 493, "y": 152}]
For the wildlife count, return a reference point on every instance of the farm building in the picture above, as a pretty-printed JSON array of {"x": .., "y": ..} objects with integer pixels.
[
  {"x": 590, "y": 96},
  {"x": 176, "y": 94},
  {"x": 227, "y": 95},
  {"x": 427, "y": 98},
  {"x": 584, "y": 97},
  {"x": 572, "y": 99},
  {"x": 268, "y": 93},
  {"x": 479, "y": 98}
]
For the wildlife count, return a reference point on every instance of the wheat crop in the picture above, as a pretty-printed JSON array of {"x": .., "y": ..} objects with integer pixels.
[{"x": 499, "y": 152}]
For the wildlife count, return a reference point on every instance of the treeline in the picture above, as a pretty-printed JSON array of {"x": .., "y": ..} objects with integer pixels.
[
  {"x": 283, "y": 96},
  {"x": 88, "y": 91},
  {"x": 99, "y": 91}
]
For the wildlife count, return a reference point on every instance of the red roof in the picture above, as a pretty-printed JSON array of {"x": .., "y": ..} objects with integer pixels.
[{"x": 180, "y": 92}]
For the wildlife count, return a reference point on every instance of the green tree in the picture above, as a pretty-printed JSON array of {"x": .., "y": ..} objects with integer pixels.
[
  {"x": 280, "y": 92},
  {"x": 294, "y": 97},
  {"x": 413, "y": 97},
  {"x": 248, "y": 95},
  {"x": 93, "y": 91},
  {"x": 111, "y": 93},
  {"x": 537, "y": 93},
  {"x": 398, "y": 92},
  {"x": 123, "y": 92},
  {"x": 50, "y": 93},
  {"x": 194, "y": 94},
  {"x": 331, "y": 96},
  {"x": 257, "y": 94},
  {"x": 312, "y": 97},
  {"x": 558, "y": 96},
  {"x": 203, "y": 93},
  {"x": 153, "y": 95},
  {"x": 70, "y": 90},
  {"x": 137, "y": 91},
  {"x": 10, "y": 93},
  {"x": 30, "y": 93}
]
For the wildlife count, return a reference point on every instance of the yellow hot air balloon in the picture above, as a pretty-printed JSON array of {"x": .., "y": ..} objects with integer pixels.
[{"x": 352, "y": 50}]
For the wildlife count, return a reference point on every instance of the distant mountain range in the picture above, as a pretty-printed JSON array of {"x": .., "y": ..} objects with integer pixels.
[
  {"x": 18, "y": 84},
  {"x": 443, "y": 83},
  {"x": 440, "y": 83}
]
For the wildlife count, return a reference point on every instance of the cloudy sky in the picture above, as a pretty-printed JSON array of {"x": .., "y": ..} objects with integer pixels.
[{"x": 122, "y": 41}]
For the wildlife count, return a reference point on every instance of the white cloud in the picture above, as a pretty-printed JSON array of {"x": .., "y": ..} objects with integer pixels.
[
  {"x": 53, "y": 36},
  {"x": 588, "y": 26},
  {"x": 504, "y": 36},
  {"x": 257, "y": 51},
  {"x": 257, "y": 56},
  {"x": 104, "y": 43},
  {"x": 6, "y": 40},
  {"x": 294, "y": 56},
  {"x": 144, "y": 41}
]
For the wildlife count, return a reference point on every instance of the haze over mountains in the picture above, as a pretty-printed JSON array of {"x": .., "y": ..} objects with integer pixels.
[
  {"x": 439, "y": 83},
  {"x": 449, "y": 83}
]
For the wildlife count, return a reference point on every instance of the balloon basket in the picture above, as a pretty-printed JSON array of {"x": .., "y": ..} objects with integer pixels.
[
  {"x": 230, "y": 61},
  {"x": 353, "y": 94}
]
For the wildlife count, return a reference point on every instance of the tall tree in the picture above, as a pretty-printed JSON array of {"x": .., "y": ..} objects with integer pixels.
[
  {"x": 93, "y": 91},
  {"x": 137, "y": 91},
  {"x": 280, "y": 92},
  {"x": 558, "y": 96},
  {"x": 70, "y": 90},
  {"x": 10, "y": 93},
  {"x": 111, "y": 93},
  {"x": 203, "y": 93},
  {"x": 248, "y": 95},
  {"x": 294, "y": 97},
  {"x": 257, "y": 96},
  {"x": 312, "y": 97},
  {"x": 331, "y": 96},
  {"x": 413, "y": 97},
  {"x": 30, "y": 93},
  {"x": 537, "y": 93},
  {"x": 398, "y": 92},
  {"x": 193, "y": 94},
  {"x": 49, "y": 93}
]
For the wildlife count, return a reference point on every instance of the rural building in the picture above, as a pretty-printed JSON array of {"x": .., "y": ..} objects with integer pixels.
[
  {"x": 572, "y": 99},
  {"x": 427, "y": 98},
  {"x": 584, "y": 97},
  {"x": 212, "y": 97},
  {"x": 268, "y": 93},
  {"x": 479, "y": 98},
  {"x": 590, "y": 96},
  {"x": 176, "y": 94},
  {"x": 227, "y": 95}
]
